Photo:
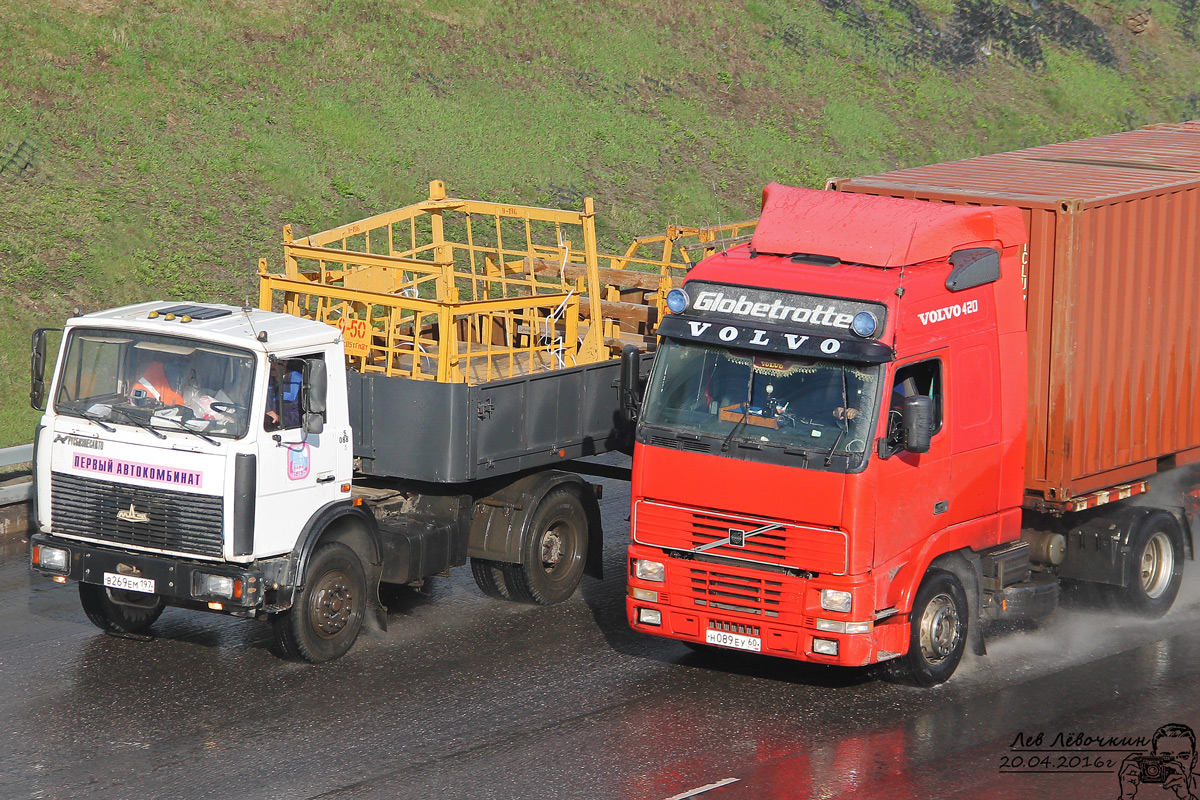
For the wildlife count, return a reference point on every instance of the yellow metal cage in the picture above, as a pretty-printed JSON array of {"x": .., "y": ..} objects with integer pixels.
[{"x": 472, "y": 291}]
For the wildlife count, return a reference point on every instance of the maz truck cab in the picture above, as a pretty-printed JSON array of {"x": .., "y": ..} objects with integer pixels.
[{"x": 834, "y": 430}]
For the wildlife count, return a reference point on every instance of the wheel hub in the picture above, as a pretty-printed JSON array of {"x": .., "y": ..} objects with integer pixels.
[
  {"x": 1157, "y": 565},
  {"x": 939, "y": 628},
  {"x": 552, "y": 549},
  {"x": 332, "y": 603}
]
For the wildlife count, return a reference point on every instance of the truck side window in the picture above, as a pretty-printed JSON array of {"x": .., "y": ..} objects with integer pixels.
[
  {"x": 284, "y": 394},
  {"x": 924, "y": 378}
]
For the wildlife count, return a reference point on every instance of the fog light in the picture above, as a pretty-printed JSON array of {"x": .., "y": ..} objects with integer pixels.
[
  {"x": 649, "y": 570},
  {"x": 649, "y": 595},
  {"x": 826, "y": 647},
  {"x": 52, "y": 558},
  {"x": 835, "y": 600},
  {"x": 216, "y": 606},
  {"x": 214, "y": 585},
  {"x": 650, "y": 616}
]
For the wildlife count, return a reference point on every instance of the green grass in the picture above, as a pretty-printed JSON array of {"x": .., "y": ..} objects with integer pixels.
[{"x": 173, "y": 140}]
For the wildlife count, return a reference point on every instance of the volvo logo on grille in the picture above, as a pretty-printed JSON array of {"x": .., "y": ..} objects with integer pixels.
[
  {"x": 737, "y": 537},
  {"x": 131, "y": 514}
]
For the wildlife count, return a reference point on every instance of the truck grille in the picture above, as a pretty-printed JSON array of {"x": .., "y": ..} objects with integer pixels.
[
  {"x": 187, "y": 524},
  {"x": 728, "y": 592},
  {"x": 819, "y": 550}
]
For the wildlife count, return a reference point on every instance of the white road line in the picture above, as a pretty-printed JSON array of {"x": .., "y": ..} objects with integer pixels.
[{"x": 702, "y": 789}]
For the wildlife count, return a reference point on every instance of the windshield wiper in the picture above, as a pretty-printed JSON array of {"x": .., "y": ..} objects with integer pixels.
[
  {"x": 183, "y": 427},
  {"x": 745, "y": 412},
  {"x": 145, "y": 425},
  {"x": 845, "y": 419},
  {"x": 99, "y": 421}
]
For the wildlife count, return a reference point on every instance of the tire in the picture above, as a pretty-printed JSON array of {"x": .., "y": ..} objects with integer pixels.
[
  {"x": 119, "y": 617},
  {"x": 327, "y": 614},
  {"x": 1156, "y": 553},
  {"x": 554, "y": 552},
  {"x": 489, "y": 577},
  {"x": 939, "y": 632}
]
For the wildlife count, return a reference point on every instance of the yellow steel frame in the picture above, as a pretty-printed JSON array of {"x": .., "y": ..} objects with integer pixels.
[{"x": 469, "y": 291}]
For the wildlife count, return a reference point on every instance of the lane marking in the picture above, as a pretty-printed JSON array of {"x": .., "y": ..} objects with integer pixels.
[{"x": 702, "y": 789}]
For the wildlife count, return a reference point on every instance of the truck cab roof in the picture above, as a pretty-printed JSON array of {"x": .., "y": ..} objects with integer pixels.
[
  {"x": 875, "y": 231},
  {"x": 266, "y": 331}
]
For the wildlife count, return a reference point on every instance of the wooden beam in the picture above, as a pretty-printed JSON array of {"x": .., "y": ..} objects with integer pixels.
[{"x": 611, "y": 277}]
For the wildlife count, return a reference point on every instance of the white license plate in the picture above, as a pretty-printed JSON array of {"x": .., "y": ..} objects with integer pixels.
[
  {"x": 736, "y": 641},
  {"x": 128, "y": 582}
]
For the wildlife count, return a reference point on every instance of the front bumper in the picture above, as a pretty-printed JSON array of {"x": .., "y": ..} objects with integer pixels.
[
  {"x": 788, "y": 629},
  {"x": 176, "y": 580}
]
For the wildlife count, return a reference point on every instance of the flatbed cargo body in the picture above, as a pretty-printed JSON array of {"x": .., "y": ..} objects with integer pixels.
[
  {"x": 1113, "y": 298},
  {"x": 488, "y": 429}
]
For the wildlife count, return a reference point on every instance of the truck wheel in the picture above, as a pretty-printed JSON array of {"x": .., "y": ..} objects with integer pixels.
[
  {"x": 327, "y": 614},
  {"x": 553, "y": 555},
  {"x": 939, "y": 631},
  {"x": 107, "y": 615},
  {"x": 1157, "y": 555},
  {"x": 489, "y": 577}
]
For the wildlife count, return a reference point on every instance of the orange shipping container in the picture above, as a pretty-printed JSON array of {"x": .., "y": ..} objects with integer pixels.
[{"x": 1113, "y": 297}]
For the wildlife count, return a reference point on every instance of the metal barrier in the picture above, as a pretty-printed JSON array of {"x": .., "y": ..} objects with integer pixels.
[{"x": 18, "y": 492}]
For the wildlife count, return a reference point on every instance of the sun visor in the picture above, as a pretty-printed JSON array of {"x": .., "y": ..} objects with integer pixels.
[{"x": 876, "y": 231}]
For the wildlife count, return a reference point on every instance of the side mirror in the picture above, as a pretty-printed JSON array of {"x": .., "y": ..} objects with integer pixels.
[
  {"x": 37, "y": 370},
  {"x": 917, "y": 423},
  {"x": 315, "y": 385},
  {"x": 631, "y": 384}
]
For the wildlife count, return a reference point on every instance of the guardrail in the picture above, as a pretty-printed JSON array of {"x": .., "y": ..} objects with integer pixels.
[{"x": 18, "y": 492}]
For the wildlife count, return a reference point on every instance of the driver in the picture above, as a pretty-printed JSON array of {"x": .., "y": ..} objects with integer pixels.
[{"x": 154, "y": 385}]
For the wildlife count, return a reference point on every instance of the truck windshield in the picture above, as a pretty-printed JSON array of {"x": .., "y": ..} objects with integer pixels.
[
  {"x": 164, "y": 382},
  {"x": 818, "y": 405}
]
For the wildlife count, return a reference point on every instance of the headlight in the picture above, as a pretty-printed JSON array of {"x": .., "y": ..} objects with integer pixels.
[
  {"x": 677, "y": 301},
  {"x": 649, "y": 570},
  {"x": 217, "y": 586},
  {"x": 51, "y": 558},
  {"x": 841, "y": 626},
  {"x": 835, "y": 600},
  {"x": 649, "y": 616}
]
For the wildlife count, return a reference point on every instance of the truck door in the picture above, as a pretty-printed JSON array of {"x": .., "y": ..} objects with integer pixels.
[
  {"x": 914, "y": 488},
  {"x": 296, "y": 470}
]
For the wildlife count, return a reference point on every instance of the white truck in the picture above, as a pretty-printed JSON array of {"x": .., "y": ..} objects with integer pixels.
[{"x": 404, "y": 413}]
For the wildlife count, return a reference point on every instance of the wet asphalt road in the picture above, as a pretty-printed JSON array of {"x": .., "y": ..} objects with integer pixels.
[{"x": 466, "y": 697}]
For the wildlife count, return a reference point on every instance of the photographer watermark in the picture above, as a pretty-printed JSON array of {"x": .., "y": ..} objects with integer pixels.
[{"x": 1161, "y": 765}]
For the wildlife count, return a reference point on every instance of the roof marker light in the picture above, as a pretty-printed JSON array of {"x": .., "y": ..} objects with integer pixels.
[
  {"x": 864, "y": 324},
  {"x": 677, "y": 301}
]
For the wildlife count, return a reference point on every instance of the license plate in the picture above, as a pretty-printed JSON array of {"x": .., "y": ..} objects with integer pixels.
[
  {"x": 736, "y": 641},
  {"x": 128, "y": 582}
]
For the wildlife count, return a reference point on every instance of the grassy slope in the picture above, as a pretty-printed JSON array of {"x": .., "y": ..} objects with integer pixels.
[{"x": 171, "y": 139}]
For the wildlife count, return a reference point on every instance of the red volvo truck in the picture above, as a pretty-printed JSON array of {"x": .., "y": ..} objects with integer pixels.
[{"x": 922, "y": 400}]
